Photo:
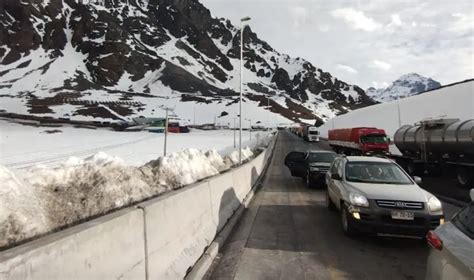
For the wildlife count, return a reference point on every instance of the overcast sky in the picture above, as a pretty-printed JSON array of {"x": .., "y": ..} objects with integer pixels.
[{"x": 366, "y": 42}]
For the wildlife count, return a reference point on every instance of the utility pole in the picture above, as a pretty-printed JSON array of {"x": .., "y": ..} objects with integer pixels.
[
  {"x": 399, "y": 115},
  {"x": 166, "y": 131},
  {"x": 250, "y": 129},
  {"x": 242, "y": 24},
  {"x": 234, "y": 134},
  {"x": 268, "y": 113}
]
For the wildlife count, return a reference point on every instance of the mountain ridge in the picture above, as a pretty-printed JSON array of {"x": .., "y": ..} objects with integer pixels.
[
  {"x": 134, "y": 58},
  {"x": 405, "y": 86}
]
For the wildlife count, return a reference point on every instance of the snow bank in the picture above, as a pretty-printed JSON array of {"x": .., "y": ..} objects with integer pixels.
[
  {"x": 21, "y": 214},
  {"x": 185, "y": 167},
  {"x": 42, "y": 199},
  {"x": 233, "y": 158}
]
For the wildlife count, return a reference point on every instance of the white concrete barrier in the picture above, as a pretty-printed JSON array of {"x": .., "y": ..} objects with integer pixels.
[
  {"x": 179, "y": 227},
  {"x": 223, "y": 198},
  {"x": 110, "y": 247},
  {"x": 158, "y": 239},
  {"x": 183, "y": 223}
]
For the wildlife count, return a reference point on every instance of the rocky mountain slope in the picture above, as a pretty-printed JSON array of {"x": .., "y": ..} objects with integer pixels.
[
  {"x": 109, "y": 60},
  {"x": 405, "y": 86}
]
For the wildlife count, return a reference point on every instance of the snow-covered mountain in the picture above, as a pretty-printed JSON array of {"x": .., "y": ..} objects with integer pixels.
[
  {"x": 405, "y": 86},
  {"x": 116, "y": 59}
]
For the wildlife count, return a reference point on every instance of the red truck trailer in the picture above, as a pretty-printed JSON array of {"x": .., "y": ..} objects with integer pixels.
[{"x": 359, "y": 140}]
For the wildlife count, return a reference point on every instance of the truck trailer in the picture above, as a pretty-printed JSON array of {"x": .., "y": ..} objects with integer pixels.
[
  {"x": 438, "y": 145},
  {"x": 358, "y": 140}
]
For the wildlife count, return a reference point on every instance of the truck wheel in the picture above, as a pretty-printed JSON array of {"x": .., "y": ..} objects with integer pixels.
[
  {"x": 309, "y": 182},
  {"x": 464, "y": 177},
  {"x": 347, "y": 227}
]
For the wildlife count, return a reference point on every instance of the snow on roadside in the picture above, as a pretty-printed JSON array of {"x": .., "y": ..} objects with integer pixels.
[
  {"x": 41, "y": 199},
  {"x": 233, "y": 157},
  {"x": 21, "y": 215}
]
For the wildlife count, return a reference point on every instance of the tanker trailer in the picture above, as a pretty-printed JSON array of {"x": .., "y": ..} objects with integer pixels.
[{"x": 443, "y": 145}]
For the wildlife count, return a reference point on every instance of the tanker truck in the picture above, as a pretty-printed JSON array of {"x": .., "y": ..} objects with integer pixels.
[
  {"x": 439, "y": 145},
  {"x": 358, "y": 140}
]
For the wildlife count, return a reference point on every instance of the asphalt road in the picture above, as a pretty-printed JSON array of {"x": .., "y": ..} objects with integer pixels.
[{"x": 288, "y": 233}]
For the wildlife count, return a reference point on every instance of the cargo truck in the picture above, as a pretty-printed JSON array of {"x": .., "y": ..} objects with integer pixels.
[
  {"x": 311, "y": 133},
  {"x": 439, "y": 146},
  {"x": 359, "y": 141}
]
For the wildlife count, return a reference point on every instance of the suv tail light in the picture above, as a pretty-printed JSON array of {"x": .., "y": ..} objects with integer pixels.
[{"x": 434, "y": 240}]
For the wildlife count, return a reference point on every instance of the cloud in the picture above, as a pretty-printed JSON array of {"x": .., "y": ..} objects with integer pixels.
[
  {"x": 432, "y": 34},
  {"x": 356, "y": 19},
  {"x": 463, "y": 23},
  {"x": 396, "y": 20},
  {"x": 299, "y": 15},
  {"x": 347, "y": 68},
  {"x": 376, "y": 84},
  {"x": 379, "y": 64},
  {"x": 324, "y": 27}
]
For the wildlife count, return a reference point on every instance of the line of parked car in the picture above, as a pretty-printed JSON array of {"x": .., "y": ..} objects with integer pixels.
[{"x": 375, "y": 195}]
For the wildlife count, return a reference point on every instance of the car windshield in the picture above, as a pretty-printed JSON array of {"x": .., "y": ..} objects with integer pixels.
[
  {"x": 321, "y": 157},
  {"x": 313, "y": 132},
  {"x": 374, "y": 139},
  {"x": 376, "y": 172}
]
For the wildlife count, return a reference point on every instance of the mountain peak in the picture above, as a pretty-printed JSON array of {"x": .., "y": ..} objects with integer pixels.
[
  {"x": 65, "y": 59},
  {"x": 405, "y": 86}
]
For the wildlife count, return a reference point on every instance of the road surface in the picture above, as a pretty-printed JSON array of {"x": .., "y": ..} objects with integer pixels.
[{"x": 288, "y": 233}]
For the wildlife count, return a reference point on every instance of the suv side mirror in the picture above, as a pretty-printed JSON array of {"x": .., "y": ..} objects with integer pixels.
[
  {"x": 417, "y": 179},
  {"x": 336, "y": 176}
]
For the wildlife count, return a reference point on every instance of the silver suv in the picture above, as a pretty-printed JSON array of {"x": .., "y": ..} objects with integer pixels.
[{"x": 375, "y": 196}]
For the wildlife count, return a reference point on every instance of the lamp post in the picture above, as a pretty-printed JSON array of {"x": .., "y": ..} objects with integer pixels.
[
  {"x": 234, "y": 134},
  {"x": 242, "y": 24},
  {"x": 398, "y": 111},
  {"x": 166, "y": 132},
  {"x": 268, "y": 114},
  {"x": 250, "y": 128}
]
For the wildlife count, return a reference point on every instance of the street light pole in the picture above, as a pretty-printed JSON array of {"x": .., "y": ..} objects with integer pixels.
[
  {"x": 250, "y": 129},
  {"x": 166, "y": 131},
  {"x": 241, "y": 82},
  {"x": 399, "y": 115},
  {"x": 234, "y": 134},
  {"x": 268, "y": 113}
]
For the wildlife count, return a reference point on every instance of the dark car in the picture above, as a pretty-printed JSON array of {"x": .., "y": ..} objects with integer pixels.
[{"x": 310, "y": 165}]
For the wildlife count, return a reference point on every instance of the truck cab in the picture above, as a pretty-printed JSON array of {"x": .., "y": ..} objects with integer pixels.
[
  {"x": 312, "y": 134},
  {"x": 359, "y": 140},
  {"x": 375, "y": 142}
]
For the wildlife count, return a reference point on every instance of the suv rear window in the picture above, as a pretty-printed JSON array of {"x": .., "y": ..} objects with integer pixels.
[{"x": 464, "y": 220}]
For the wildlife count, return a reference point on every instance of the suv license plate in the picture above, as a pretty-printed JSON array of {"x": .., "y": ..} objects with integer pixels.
[{"x": 397, "y": 215}]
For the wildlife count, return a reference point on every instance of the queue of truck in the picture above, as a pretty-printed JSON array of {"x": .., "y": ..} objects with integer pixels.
[
  {"x": 431, "y": 146},
  {"x": 309, "y": 133}
]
